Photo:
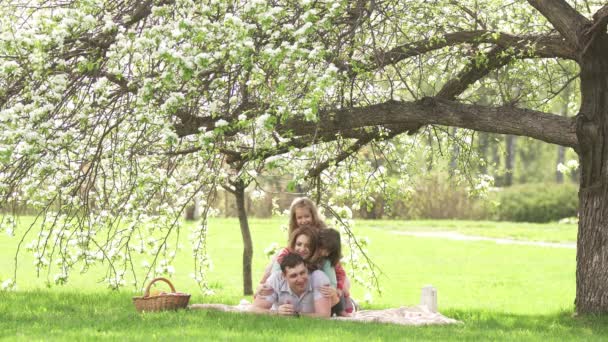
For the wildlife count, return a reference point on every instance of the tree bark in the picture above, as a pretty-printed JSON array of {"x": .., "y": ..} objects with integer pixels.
[
  {"x": 509, "y": 160},
  {"x": 550, "y": 128},
  {"x": 483, "y": 151},
  {"x": 563, "y": 17},
  {"x": 561, "y": 150},
  {"x": 455, "y": 153},
  {"x": 430, "y": 160},
  {"x": 239, "y": 195},
  {"x": 498, "y": 175},
  {"x": 592, "y": 132},
  {"x": 561, "y": 156}
]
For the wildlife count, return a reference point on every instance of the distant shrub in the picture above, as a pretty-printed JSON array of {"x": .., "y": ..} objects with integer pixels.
[{"x": 539, "y": 202}]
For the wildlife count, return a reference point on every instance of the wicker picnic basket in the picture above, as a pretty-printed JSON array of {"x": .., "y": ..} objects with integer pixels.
[{"x": 163, "y": 301}]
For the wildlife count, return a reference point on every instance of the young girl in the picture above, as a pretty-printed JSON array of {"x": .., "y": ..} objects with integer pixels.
[
  {"x": 302, "y": 212},
  {"x": 327, "y": 259}
]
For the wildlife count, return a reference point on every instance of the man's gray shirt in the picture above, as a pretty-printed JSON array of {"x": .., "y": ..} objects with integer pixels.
[{"x": 304, "y": 303}]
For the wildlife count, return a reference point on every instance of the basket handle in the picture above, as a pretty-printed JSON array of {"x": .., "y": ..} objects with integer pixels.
[{"x": 147, "y": 293}]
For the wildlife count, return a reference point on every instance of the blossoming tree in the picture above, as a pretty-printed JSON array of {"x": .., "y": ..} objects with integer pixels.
[{"x": 116, "y": 114}]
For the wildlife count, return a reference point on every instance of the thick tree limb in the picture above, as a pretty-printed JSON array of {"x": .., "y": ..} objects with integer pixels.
[
  {"x": 545, "y": 46},
  {"x": 398, "y": 117},
  {"x": 355, "y": 119},
  {"x": 600, "y": 20},
  {"x": 550, "y": 128},
  {"x": 563, "y": 17}
]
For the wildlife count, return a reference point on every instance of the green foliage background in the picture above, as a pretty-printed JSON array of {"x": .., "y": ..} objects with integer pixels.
[{"x": 541, "y": 202}]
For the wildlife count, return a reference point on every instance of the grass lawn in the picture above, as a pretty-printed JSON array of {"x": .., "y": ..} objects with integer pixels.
[
  {"x": 500, "y": 292},
  {"x": 548, "y": 232}
]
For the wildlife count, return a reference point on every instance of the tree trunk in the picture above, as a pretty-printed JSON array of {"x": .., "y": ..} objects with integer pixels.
[
  {"x": 561, "y": 150},
  {"x": 592, "y": 132},
  {"x": 193, "y": 212},
  {"x": 498, "y": 176},
  {"x": 239, "y": 195},
  {"x": 226, "y": 205},
  {"x": 430, "y": 161},
  {"x": 561, "y": 156},
  {"x": 509, "y": 160},
  {"x": 575, "y": 176},
  {"x": 455, "y": 153},
  {"x": 483, "y": 151}
]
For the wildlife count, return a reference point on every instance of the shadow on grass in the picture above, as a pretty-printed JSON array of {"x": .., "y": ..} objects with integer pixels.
[{"x": 47, "y": 315}]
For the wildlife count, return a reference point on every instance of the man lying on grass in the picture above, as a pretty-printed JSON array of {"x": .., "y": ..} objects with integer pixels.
[{"x": 295, "y": 292}]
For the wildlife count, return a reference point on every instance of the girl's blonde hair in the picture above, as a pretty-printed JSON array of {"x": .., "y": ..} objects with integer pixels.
[{"x": 304, "y": 202}]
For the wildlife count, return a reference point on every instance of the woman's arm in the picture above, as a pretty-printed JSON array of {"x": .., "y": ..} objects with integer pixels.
[
  {"x": 273, "y": 264},
  {"x": 269, "y": 270},
  {"x": 322, "y": 309}
]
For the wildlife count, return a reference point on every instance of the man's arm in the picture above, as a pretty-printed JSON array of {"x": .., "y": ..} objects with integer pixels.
[{"x": 261, "y": 305}]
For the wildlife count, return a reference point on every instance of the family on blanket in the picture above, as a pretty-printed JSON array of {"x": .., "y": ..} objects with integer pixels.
[{"x": 306, "y": 278}]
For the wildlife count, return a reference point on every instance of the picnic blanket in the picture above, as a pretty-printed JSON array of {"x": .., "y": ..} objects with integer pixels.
[{"x": 415, "y": 315}]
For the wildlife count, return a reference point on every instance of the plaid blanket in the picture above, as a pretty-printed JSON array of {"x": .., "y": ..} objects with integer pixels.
[{"x": 415, "y": 315}]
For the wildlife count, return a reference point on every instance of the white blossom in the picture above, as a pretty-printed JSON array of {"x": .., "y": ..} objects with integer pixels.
[
  {"x": 8, "y": 284},
  {"x": 221, "y": 123}
]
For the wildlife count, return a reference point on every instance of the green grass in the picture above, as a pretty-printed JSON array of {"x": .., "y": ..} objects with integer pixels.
[
  {"x": 500, "y": 292},
  {"x": 84, "y": 317},
  {"x": 549, "y": 232}
]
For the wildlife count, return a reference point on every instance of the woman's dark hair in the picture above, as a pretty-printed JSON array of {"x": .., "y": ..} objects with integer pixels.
[{"x": 329, "y": 239}]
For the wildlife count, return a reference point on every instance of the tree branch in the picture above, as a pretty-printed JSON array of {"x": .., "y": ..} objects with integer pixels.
[
  {"x": 600, "y": 19},
  {"x": 545, "y": 46},
  {"x": 352, "y": 149},
  {"x": 472, "y": 73},
  {"x": 356, "y": 146},
  {"x": 550, "y": 128},
  {"x": 563, "y": 17}
]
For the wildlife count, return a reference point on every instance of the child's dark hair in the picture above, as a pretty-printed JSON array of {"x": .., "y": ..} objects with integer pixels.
[{"x": 329, "y": 239}]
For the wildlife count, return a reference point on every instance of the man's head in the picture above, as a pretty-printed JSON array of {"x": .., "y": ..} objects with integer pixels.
[{"x": 295, "y": 272}]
